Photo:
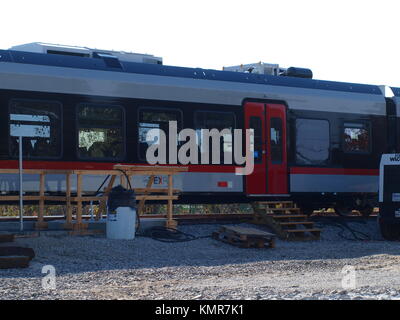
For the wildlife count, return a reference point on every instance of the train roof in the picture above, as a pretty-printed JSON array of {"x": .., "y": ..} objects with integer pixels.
[{"x": 106, "y": 62}]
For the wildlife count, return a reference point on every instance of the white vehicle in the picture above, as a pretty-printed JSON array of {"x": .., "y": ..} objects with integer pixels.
[{"x": 389, "y": 196}]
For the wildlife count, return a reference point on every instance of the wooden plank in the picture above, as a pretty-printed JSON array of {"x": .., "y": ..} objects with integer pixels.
[
  {"x": 136, "y": 170},
  {"x": 85, "y": 232},
  {"x": 33, "y": 171},
  {"x": 155, "y": 190},
  {"x": 103, "y": 204},
  {"x": 284, "y": 216},
  {"x": 151, "y": 168},
  {"x": 16, "y": 198},
  {"x": 275, "y": 202},
  {"x": 88, "y": 198},
  {"x": 7, "y": 237},
  {"x": 296, "y": 223},
  {"x": 79, "y": 202},
  {"x": 41, "y": 201},
  {"x": 282, "y": 209},
  {"x": 11, "y": 262},
  {"x": 170, "y": 194},
  {"x": 84, "y": 198},
  {"x": 248, "y": 231},
  {"x": 68, "y": 198},
  {"x": 142, "y": 200},
  {"x": 303, "y": 230}
]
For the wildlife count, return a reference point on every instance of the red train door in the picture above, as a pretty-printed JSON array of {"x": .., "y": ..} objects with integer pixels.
[
  {"x": 277, "y": 180},
  {"x": 269, "y": 176},
  {"x": 255, "y": 119}
]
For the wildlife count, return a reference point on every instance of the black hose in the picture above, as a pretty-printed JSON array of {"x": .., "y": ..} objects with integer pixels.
[
  {"x": 102, "y": 184},
  {"x": 343, "y": 225},
  {"x": 169, "y": 235},
  {"x": 127, "y": 178}
]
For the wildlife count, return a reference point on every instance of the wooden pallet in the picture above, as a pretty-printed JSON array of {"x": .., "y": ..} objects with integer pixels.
[
  {"x": 6, "y": 237},
  {"x": 15, "y": 257},
  {"x": 245, "y": 237},
  {"x": 286, "y": 220}
]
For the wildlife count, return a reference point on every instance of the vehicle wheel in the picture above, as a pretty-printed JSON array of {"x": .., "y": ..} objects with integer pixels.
[
  {"x": 366, "y": 211},
  {"x": 343, "y": 210},
  {"x": 389, "y": 231},
  {"x": 307, "y": 210}
]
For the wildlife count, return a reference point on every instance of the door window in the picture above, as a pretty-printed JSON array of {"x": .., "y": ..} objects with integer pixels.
[
  {"x": 276, "y": 140},
  {"x": 255, "y": 123}
]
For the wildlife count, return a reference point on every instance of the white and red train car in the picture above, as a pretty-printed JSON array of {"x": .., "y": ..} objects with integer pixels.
[{"x": 316, "y": 142}]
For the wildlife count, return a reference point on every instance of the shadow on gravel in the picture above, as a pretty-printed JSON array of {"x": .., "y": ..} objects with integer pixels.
[{"x": 89, "y": 254}]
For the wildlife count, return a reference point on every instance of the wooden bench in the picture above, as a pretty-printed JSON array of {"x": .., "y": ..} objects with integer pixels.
[{"x": 122, "y": 171}]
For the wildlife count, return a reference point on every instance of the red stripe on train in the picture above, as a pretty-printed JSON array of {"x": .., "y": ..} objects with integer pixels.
[
  {"x": 335, "y": 171},
  {"x": 80, "y": 165}
]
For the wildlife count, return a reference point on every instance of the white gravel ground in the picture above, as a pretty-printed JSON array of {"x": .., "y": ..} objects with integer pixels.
[{"x": 98, "y": 268}]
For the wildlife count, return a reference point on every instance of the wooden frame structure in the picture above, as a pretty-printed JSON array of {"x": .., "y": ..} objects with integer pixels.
[{"x": 122, "y": 171}]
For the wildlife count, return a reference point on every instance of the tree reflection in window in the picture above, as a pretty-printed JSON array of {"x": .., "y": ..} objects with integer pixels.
[
  {"x": 356, "y": 138},
  {"x": 101, "y": 134}
]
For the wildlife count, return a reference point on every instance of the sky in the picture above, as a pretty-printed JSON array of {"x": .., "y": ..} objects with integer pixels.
[{"x": 351, "y": 41}]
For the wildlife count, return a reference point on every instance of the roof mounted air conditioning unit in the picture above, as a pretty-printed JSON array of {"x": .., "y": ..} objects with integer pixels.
[{"x": 48, "y": 48}]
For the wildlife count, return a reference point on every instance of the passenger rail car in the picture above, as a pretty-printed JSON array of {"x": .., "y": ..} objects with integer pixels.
[{"x": 316, "y": 142}]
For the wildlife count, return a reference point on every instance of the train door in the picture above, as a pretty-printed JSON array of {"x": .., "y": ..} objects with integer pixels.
[
  {"x": 277, "y": 175},
  {"x": 269, "y": 176},
  {"x": 256, "y": 183}
]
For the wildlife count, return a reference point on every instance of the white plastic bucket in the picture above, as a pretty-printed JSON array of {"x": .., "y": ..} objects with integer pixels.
[{"x": 121, "y": 224}]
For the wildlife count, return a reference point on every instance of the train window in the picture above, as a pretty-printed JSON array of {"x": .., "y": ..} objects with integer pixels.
[
  {"x": 153, "y": 118},
  {"x": 39, "y": 124},
  {"x": 101, "y": 132},
  {"x": 276, "y": 140},
  {"x": 356, "y": 137},
  {"x": 312, "y": 141},
  {"x": 220, "y": 121},
  {"x": 255, "y": 123}
]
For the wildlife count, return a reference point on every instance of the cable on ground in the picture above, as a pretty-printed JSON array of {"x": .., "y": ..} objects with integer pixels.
[
  {"x": 169, "y": 235},
  {"x": 340, "y": 223}
]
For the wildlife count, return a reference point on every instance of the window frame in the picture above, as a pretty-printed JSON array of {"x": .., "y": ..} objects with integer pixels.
[
  {"x": 61, "y": 129},
  {"x": 123, "y": 128},
  {"x": 158, "y": 108},
  {"x": 366, "y": 125},
  {"x": 329, "y": 159}
]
